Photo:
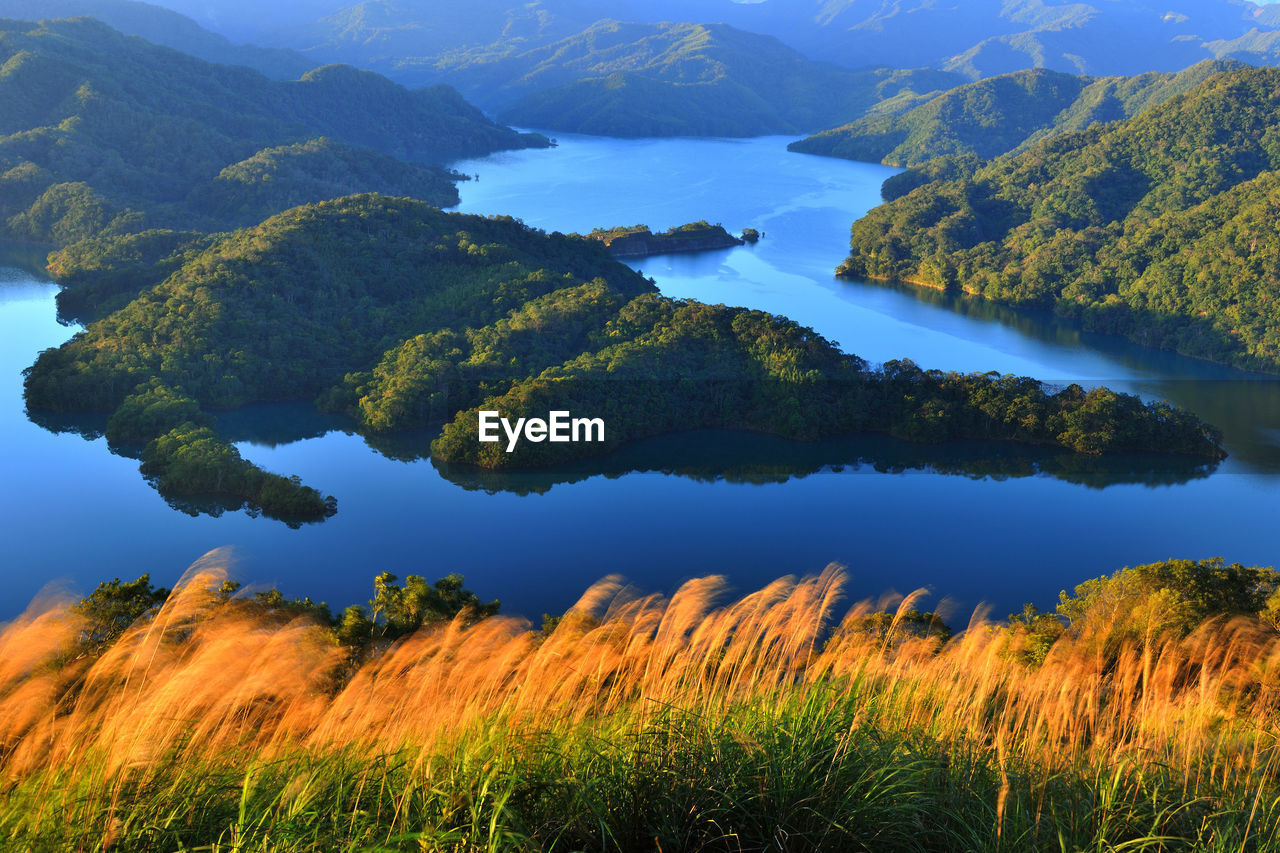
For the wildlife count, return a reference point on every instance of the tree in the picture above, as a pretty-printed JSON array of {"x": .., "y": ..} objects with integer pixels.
[
  {"x": 1168, "y": 597},
  {"x": 111, "y": 608},
  {"x": 399, "y": 610}
]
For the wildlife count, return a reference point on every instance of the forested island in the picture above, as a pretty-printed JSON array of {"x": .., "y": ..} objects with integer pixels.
[
  {"x": 1161, "y": 227},
  {"x": 402, "y": 315},
  {"x": 637, "y": 241}
]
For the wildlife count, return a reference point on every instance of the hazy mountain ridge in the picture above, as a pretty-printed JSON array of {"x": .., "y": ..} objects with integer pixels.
[
  {"x": 622, "y": 79},
  {"x": 162, "y": 26},
  {"x": 631, "y": 69},
  {"x": 976, "y": 37}
]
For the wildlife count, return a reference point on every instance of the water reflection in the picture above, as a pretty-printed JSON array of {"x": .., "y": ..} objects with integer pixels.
[
  {"x": 711, "y": 456},
  {"x": 717, "y": 455},
  {"x": 704, "y": 456},
  {"x": 276, "y": 424}
]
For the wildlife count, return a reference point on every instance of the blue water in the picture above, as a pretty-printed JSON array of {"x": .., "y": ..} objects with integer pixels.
[{"x": 973, "y": 522}]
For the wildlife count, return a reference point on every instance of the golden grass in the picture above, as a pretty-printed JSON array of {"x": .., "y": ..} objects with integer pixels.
[{"x": 205, "y": 678}]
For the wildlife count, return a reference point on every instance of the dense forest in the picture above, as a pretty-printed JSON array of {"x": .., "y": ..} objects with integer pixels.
[
  {"x": 103, "y": 135},
  {"x": 631, "y": 69},
  {"x": 1162, "y": 227},
  {"x": 402, "y": 316},
  {"x": 1001, "y": 115}
]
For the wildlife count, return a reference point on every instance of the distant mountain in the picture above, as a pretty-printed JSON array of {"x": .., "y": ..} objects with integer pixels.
[
  {"x": 406, "y": 37},
  {"x": 103, "y": 134},
  {"x": 248, "y": 20},
  {"x": 982, "y": 38},
  {"x": 621, "y": 79},
  {"x": 979, "y": 38},
  {"x": 991, "y": 117},
  {"x": 624, "y": 68},
  {"x": 1161, "y": 227},
  {"x": 161, "y": 26}
]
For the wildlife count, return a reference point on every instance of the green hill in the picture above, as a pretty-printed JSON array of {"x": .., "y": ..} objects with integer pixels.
[
  {"x": 765, "y": 67},
  {"x": 106, "y": 134},
  {"x": 1161, "y": 227},
  {"x": 402, "y": 316},
  {"x": 621, "y": 79},
  {"x": 1002, "y": 114}
]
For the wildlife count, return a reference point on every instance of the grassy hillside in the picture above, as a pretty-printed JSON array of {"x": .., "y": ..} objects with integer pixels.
[
  {"x": 1140, "y": 715},
  {"x": 1160, "y": 227},
  {"x": 104, "y": 134}
]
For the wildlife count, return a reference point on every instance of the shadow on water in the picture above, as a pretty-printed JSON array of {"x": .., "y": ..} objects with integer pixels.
[
  {"x": 90, "y": 426},
  {"x": 707, "y": 456},
  {"x": 24, "y": 261}
]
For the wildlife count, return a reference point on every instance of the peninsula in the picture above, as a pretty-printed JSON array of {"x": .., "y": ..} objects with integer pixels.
[{"x": 468, "y": 314}]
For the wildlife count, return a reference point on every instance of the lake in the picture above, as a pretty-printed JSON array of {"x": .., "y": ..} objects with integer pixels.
[{"x": 974, "y": 522}]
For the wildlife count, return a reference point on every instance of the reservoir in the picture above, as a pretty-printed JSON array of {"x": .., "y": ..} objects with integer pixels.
[{"x": 974, "y": 522}]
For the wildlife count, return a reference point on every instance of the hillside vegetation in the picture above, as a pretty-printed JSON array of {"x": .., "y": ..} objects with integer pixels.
[
  {"x": 1002, "y": 114},
  {"x": 628, "y": 68},
  {"x": 106, "y": 135},
  {"x": 1162, "y": 227}
]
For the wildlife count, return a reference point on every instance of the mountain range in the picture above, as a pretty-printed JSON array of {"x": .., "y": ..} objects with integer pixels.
[
  {"x": 107, "y": 134},
  {"x": 976, "y": 37}
]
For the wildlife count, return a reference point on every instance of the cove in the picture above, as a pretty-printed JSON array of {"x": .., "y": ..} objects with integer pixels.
[{"x": 975, "y": 522}]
